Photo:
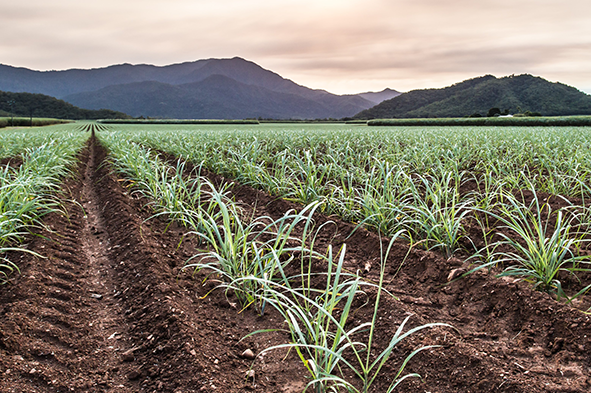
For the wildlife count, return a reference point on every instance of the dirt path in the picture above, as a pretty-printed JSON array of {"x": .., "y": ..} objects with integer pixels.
[{"x": 59, "y": 318}]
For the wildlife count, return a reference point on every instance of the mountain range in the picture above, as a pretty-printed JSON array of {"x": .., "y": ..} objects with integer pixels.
[
  {"x": 475, "y": 97},
  {"x": 239, "y": 89},
  {"x": 204, "y": 89}
]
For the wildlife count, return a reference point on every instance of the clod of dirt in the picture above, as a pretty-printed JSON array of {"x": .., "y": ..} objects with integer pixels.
[
  {"x": 248, "y": 354},
  {"x": 128, "y": 356},
  {"x": 134, "y": 375},
  {"x": 456, "y": 273}
]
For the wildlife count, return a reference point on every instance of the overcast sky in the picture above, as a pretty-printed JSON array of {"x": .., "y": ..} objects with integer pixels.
[{"x": 343, "y": 46}]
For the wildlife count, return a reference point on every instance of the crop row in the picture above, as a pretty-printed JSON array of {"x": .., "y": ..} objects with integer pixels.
[
  {"x": 14, "y": 142},
  {"x": 28, "y": 192},
  {"x": 554, "y": 160},
  {"x": 431, "y": 185},
  {"x": 251, "y": 255},
  {"x": 29, "y": 122}
]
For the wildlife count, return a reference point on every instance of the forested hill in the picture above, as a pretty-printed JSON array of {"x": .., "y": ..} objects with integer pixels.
[
  {"x": 511, "y": 95},
  {"x": 40, "y": 105}
]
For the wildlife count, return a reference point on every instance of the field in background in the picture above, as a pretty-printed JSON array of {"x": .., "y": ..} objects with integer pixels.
[
  {"x": 500, "y": 121},
  {"x": 28, "y": 122}
]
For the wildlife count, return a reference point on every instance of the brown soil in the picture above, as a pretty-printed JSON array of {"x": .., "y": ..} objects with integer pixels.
[
  {"x": 108, "y": 311},
  {"x": 14, "y": 162}
]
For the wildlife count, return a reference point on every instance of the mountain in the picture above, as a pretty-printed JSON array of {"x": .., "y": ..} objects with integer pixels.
[
  {"x": 378, "y": 97},
  {"x": 511, "y": 94},
  {"x": 40, "y": 105},
  {"x": 216, "y": 97},
  {"x": 199, "y": 89}
]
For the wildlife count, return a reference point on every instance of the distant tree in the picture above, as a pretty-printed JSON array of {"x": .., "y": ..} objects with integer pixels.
[{"x": 492, "y": 112}]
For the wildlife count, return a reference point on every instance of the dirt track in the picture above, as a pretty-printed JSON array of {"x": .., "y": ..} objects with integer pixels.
[{"x": 107, "y": 311}]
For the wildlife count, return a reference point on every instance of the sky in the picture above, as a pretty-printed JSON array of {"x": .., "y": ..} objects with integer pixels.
[{"x": 343, "y": 46}]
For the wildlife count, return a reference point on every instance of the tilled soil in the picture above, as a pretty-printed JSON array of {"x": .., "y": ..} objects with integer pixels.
[
  {"x": 106, "y": 311},
  {"x": 508, "y": 337},
  {"x": 109, "y": 310}
]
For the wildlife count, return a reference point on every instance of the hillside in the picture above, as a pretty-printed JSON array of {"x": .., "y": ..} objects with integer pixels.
[
  {"x": 511, "y": 94},
  {"x": 40, "y": 105},
  {"x": 190, "y": 90},
  {"x": 216, "y": 97},
  {"x": 377, "y": 97}
]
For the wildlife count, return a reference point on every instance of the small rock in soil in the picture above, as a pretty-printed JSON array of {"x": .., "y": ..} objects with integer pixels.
[
  {"x": 96, "y": 296},
  {"x": 132, "y": 376},
  {"x": 248, "y": 354},
  {"x": 250, "y": 374},
  {"x": 127, "y": 356}
]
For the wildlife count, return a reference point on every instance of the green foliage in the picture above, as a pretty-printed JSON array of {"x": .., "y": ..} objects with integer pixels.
[
  {"x": 326, "y": 340},
  {"x": 516, "y": 121},
  {"x": 29, "y": 122},
  {"x": 38, "y": 105},
  {"x": 259, "y": 248},
  {"x": 391, "y": 178},
  {"x": 540, "y": 250},
  {"x": 27, "y": 192},
  {"x": 492, "y": 112},
  {"x": 437, "y": 212}
]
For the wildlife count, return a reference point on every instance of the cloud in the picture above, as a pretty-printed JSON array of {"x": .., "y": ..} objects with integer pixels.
[{"x": 342, "y": 46}]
